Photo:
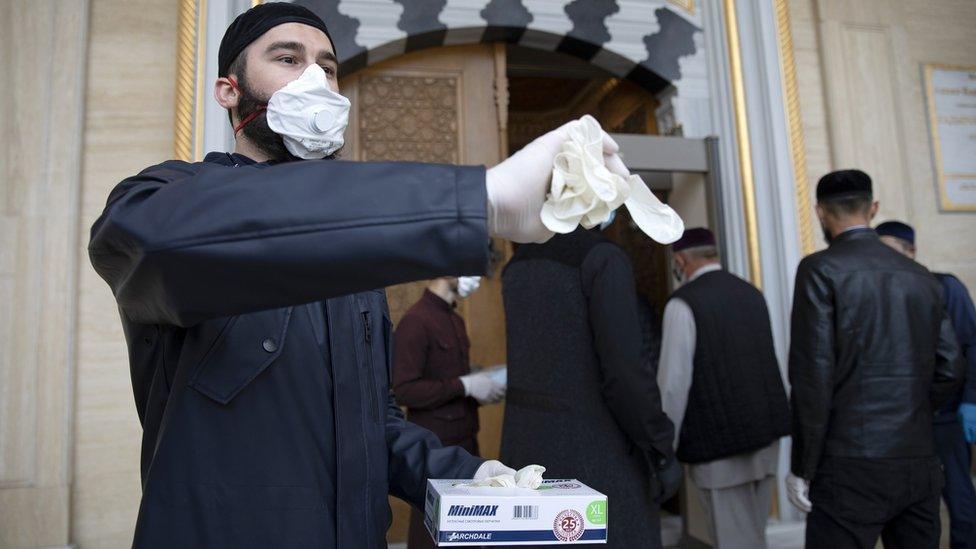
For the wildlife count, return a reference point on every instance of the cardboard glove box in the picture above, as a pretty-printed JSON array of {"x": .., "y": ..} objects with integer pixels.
[{"x": 558, "y": 512}]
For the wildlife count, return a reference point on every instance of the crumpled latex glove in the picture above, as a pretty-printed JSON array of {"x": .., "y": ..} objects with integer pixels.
[
  {"x": 529, "y": 476},
  {"x": 517, "y": 186},
  {"x": 494, "y": 474},
  {"x": 589, "y": 183},
  {"x": 967, "y": 416},
  {"x": 483, "y": 388},
  {"x": 798, "y": 491}
]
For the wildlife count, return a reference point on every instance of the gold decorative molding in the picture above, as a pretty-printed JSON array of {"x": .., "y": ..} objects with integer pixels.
[
  {"x": 201, "y": 62},
  {"x": 501, "y": 98},
  {"x": 794, "y": 124},
  {"x": 742, "y": 139},
  {"x": 186, "y": 50},
  {"x": 687, "y": 5}
]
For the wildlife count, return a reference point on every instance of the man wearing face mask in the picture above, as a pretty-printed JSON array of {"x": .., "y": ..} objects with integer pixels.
[
  {"x": 258, "y": 352},
  {"x": 872, "y": 356},
  {"x": 721, "y": 386},
  {"x": 432, "y": 375}
]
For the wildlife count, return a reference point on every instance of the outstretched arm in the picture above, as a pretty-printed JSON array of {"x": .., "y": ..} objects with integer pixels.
[{"x": 180, "y": 243}]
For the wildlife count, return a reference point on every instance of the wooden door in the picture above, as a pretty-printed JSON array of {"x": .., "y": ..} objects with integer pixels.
[{"x": 440, "y": 106}]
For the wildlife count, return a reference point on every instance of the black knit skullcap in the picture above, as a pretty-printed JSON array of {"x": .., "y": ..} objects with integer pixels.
[
  {"x": 250, "y": 25},
  {"x": 694, "y": 238},
  {"x": 843, "y": 184},
  {"x": 897, "y": 229}
]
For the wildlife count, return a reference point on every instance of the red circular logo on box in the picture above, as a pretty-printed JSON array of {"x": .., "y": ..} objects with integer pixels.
[{"x": 568, "y": 525}]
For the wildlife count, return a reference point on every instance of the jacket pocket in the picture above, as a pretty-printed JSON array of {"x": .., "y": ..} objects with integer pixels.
[
  {"x": 246, "y": 347},
  {"x": 371, "y": 339}
]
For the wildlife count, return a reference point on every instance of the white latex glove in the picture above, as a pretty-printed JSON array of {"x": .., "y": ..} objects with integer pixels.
[
  {"x": 587, "y": 188},
  {"x": 483, "y": 388},
  {"x": 494, "y": 474},
  {"x": 468, "y": 285},
  {"x": 798, "y": 491},
  {"x": 518, "y": 186},
  {"x": 492, "y": 468},
  {"x": 529, "y": 476}
]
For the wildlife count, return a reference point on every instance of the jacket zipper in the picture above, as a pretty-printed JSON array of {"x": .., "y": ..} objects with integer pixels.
[{"x": 371, "y": 380}]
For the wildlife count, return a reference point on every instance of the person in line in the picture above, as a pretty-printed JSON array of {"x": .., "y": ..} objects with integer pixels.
[
  {"x": 872, "y": 355},
  {"x": 721, "y": 386},
  {"x": 432, "y": 375},
  {"x": 955, "y": 423},
  {"x": 581, "y": 398},
  {"x": 258, "y": 347}
]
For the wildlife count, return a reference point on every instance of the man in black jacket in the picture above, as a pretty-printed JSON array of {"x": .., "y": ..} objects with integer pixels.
[
  {"x": 872, "y": 356},
  {"x": 259, "y": 354},
  {"x": 582, "y": 399}
]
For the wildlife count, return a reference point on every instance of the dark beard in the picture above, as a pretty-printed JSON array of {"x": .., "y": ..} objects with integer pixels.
[
  {"x": 257, "y": 130},
  {"x": 827, "y": 236}
]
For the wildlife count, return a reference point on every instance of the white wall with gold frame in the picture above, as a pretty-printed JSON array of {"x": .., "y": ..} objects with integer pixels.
[{"x": 950, "y": 92}]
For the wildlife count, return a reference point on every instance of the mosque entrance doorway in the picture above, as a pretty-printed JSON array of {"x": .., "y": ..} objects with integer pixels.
[{"x": 477, "y": 104}]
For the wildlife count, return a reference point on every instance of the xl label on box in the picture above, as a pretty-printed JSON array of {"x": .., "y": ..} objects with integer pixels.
[{"x": 558, "y": 512}]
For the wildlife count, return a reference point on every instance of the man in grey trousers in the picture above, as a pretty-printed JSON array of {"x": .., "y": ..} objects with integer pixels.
[{"x": 721, "y": 386}]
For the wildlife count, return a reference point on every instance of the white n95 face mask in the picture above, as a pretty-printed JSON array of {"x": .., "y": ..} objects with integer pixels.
[
  {"x": 309, "y": 116},
  {"x": 468, "y": 284}
]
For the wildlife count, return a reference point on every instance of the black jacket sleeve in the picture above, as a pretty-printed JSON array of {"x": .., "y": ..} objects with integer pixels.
[
  {"x": 416, "y": 455},
  {"x": 180, "y": 243},
  {"x": 962, "y": 313},
  {"x": 949, "y": 368},
  {"x": 811, "y": 366},
  {"x": 629, "y": 382}
]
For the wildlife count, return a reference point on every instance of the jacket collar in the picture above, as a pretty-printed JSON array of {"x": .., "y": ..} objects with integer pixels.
[
  {"x": 710, "y": 268},
  {"x": 237, "y": 159},
  {"x": 228, "y": 159},
  {"x": 435, "y": 301},
  {"x": 856, "y": 233}
]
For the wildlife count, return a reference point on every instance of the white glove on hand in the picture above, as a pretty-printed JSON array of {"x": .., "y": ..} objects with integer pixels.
[
  {"x": 518, "y": 186},
  {"x": 799, "y": 492},
  {"x": 483, "y": 388},
  {"x": 492, "y": 468}
]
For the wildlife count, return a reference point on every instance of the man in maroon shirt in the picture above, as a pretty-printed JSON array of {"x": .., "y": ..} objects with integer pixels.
[{"x": 432, "y": 376}]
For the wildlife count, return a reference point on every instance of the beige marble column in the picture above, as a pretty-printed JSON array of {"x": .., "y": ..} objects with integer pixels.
[
  {"x": 128, "y": 126},
  {"x": 42, "y": 60}
]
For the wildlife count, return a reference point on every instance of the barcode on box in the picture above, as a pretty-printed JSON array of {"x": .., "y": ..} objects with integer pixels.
[{"x": 526, "y": 512}]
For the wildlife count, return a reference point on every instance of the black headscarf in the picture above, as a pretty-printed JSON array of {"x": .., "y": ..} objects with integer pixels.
[{"x": 250, "y": 25}]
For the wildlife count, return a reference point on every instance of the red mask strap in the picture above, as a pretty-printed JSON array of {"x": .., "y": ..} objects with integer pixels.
[{"x": 247, "y": 119}]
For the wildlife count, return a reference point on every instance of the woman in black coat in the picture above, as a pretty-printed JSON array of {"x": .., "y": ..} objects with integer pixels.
[{"x": 581, "y": 400}]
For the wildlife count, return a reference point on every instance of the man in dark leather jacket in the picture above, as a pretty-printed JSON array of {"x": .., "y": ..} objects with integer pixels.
[
  {"x": 872, "y": 356},
  {"x": 259, "y": 355}
]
